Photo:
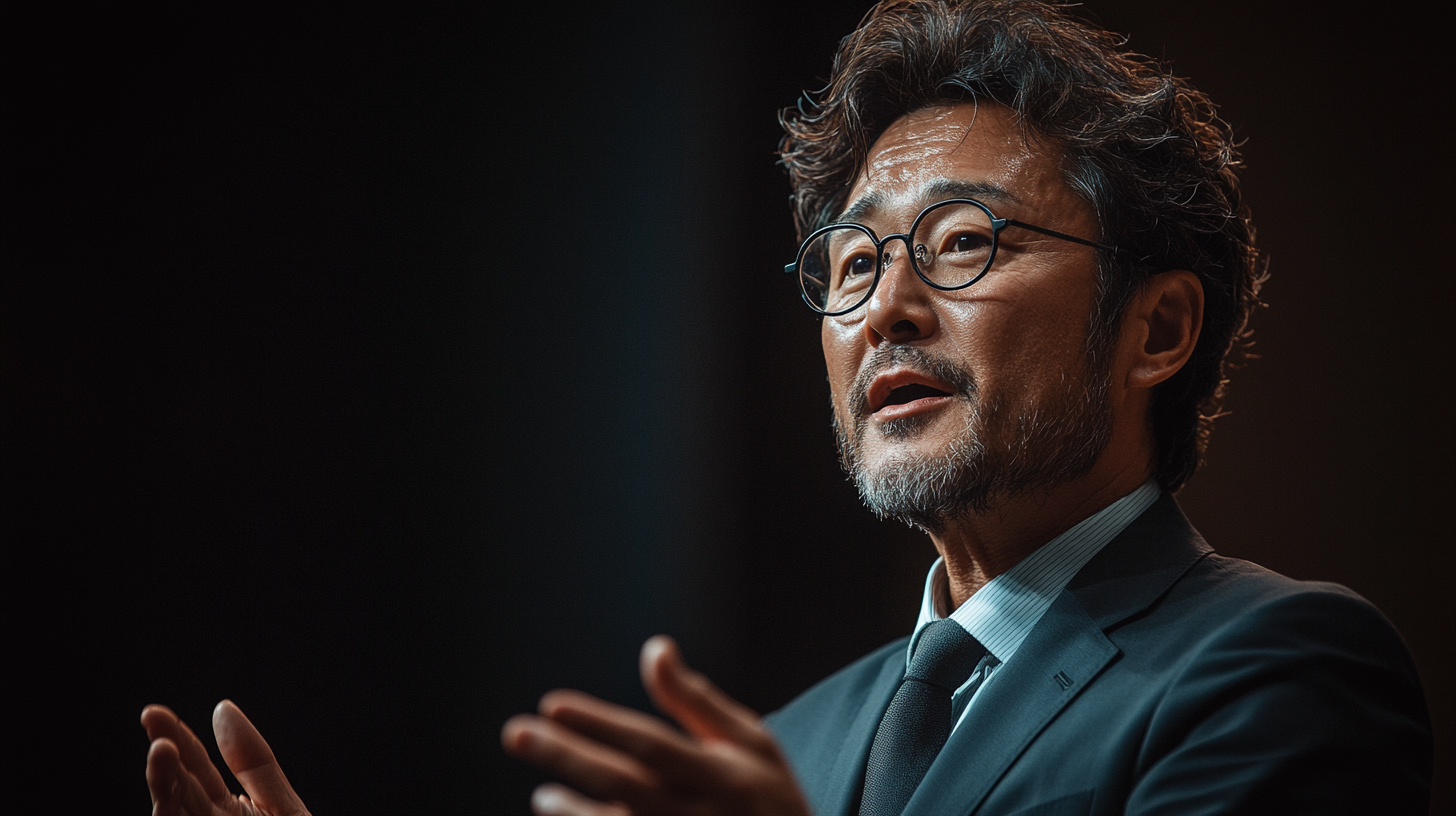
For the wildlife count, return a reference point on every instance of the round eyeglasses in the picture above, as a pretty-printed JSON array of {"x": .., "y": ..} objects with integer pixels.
[{"x": 952, "y": 245}]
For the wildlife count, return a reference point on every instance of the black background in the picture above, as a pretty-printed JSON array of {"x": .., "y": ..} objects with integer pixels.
[{"x": 381, "y": 368}]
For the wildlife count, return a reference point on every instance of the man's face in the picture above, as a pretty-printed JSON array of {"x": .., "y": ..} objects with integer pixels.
[{"x": 947, "y": 402}]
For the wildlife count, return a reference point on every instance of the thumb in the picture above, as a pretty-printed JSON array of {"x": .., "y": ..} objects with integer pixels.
[{"x": 251, "y": 760}]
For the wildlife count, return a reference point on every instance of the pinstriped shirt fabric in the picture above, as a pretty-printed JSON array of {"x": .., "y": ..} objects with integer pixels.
[{"x": 1003, "y": 612}]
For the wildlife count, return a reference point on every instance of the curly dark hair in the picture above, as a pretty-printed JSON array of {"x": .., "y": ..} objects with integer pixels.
[{"x": 1144, "y": 148}]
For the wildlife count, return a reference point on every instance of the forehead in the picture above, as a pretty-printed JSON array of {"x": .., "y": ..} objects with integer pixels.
[{"x": 952, "y": 151}]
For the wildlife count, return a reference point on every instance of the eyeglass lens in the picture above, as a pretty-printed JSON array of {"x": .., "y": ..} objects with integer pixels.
[{"x": 952, "y": 246}]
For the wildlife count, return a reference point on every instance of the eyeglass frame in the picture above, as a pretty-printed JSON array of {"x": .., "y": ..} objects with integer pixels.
[{"x": 997, "y": 225}]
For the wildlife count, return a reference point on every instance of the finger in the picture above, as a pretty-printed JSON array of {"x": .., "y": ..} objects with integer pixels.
[
  {"x": 678, "y": 761},
  {"x": 162, "y": 723},
  {"x": 251, "y": 760},
  {"x": 601, "y": 770},
  {"x": 694, "y": 701},
  {"x": 175, "y": 791},
  {"x": 559, "y": 800}
]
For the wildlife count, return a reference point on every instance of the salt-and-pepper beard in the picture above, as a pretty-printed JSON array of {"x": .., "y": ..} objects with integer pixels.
[{"x": 1005, "y": 451}]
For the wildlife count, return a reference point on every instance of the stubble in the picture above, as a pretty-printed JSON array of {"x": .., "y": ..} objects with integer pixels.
[{"x": 1008, "y": 448}]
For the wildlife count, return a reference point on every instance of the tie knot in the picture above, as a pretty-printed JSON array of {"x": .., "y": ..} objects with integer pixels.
[{"x": 945, "y": 655}]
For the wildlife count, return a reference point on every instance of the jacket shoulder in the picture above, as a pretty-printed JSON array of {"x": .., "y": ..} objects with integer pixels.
[
  {"x": 1230, "y": 594},
  {"x": 1301, "y": 691}
]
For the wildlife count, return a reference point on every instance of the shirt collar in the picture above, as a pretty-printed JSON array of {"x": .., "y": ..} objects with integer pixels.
[{"x": 1003, "y": 612}]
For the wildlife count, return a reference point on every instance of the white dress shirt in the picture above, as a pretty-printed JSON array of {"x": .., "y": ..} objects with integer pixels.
[{"x": 1003, "y": 612}]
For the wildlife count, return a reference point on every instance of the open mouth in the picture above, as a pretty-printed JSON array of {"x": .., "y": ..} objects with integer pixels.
[
  {"x": 912, "y": 392},
  {"x": 903, "y": 392}
]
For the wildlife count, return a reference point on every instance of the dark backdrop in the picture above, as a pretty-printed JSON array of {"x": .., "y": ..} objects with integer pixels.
[{"x": 380, "y": 368}]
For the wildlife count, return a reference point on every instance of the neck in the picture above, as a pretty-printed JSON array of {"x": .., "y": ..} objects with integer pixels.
[{"x": 979, "y": 547}]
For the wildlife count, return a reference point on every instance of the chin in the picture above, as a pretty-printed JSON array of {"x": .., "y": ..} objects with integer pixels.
[
  {"x": 906, "y": 472},
  {"x": 903, "y": 429},
  {"x": 927, "y": 470},
  {"x": 911, "y": 443}
]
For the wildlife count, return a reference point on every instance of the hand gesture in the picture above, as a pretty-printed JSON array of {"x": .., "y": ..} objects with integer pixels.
[
  {"x": 726, "y": 763},
  {"x": 184, "y": 782}
]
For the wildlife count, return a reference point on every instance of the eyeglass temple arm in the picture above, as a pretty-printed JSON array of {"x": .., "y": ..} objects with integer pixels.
[{"x": 1062, "y": 235}]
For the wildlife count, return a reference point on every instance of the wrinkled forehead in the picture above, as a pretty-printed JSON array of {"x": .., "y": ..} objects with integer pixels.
[{"x": 961, "y": 150}]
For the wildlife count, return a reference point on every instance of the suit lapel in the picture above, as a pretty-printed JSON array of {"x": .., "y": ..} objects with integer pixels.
[
  {"x": 1140, "y": 565},
  {"x": 1059, "y": 658},
  {"x": 1066, "y": 650},
  {"x": 839, "y": 789}
]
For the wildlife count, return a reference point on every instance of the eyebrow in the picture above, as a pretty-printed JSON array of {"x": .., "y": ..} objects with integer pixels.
[{"x": 936, "y": 191}]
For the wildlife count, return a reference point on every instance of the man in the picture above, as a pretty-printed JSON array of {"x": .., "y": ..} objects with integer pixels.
[{"x": 1032, "y": 265}]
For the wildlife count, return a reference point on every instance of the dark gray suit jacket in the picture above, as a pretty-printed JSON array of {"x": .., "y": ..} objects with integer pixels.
[{"x": 1164, "y": 679}]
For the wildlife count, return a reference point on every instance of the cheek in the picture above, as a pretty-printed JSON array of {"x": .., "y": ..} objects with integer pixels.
[
  {"x": 842, "y": 356},
  {"x": 1056, "y": 359},
  {"x": 983, "y": 336},
  {"x": 1020, "y": 343}
]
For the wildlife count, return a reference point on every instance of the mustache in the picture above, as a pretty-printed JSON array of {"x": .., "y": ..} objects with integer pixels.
[{"x": 962, "y": 382}]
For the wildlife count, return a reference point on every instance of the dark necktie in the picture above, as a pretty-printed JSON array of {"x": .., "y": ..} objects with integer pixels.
[{"x": 918, "y": 721}]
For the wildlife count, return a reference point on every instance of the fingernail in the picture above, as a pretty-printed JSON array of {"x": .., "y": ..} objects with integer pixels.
[{"x": 520, "y": 733}]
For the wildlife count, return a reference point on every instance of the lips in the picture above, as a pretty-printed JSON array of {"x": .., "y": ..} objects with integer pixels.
[{"x": 903, "y": 391}]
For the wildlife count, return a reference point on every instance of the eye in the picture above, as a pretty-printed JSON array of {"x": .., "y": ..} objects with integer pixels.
[
  {"x": 859, "y": 265},
  {"x": 967, "y": 242}
]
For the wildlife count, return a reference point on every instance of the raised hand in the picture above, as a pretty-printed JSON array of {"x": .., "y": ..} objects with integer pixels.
[
  {"x": 184, "y": 781},
  {"x": 726, "y": 763}
]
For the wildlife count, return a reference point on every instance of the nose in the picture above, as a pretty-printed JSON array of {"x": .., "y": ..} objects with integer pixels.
[{"x": 901, "y": 309}]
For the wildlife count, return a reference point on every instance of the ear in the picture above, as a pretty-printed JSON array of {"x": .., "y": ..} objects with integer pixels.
[{"x": 1161, "y": 327}]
